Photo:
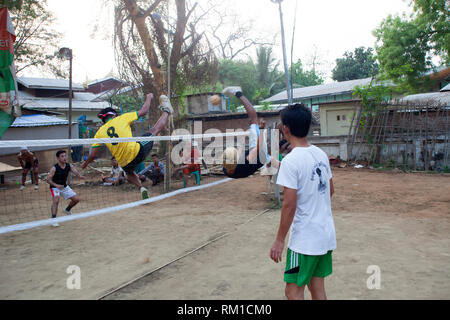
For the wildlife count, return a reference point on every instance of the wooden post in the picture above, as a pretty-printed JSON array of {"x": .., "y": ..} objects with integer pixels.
[
  {"x": 447, "y": 129},
  {"x": 376, "y": 125},
  {"x": 408, "y": 138},
  {"x": 168, "y": 169},
  {"x": 413, "y": 138},
  {"x": 373, "y": 118},
  {"x": 349, "y": 145},
  {"x": 355, "y": 132},
  {"x": 435, "y": 126},
  {"x": 425, "y": 146},
  {"x": 400, "y": 133}
]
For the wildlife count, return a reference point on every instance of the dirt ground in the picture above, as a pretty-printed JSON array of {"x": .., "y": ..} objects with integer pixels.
[{"x": 396, "y": 221}]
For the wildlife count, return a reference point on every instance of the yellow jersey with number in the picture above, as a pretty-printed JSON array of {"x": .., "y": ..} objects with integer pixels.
[{"x": 119, "y": 127}]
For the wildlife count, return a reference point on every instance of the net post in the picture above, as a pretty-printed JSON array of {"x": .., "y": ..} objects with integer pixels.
[{"x": 168, "y": 171}]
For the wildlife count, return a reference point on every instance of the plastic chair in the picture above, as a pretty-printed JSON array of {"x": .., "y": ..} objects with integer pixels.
[{"x": 197, "y": 178}]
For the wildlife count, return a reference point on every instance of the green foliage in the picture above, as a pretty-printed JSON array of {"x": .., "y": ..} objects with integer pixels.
[
  {"x": 355, "y": 65},
  {"x": 266, "y": 105},
  {"x": 303, "y": 78},
  {"x": 267, "y": 75},
  {"x": 262, "y": 79},
  {"x": 188, "y": 90},
  {"x": 433, "y": 16},
  {"x": 260, "y": 94},
  {"x": 127, "y": 102},
  {"x": 11, "y": 4},
  {"x": 402, "y": 51},
  {"x": 374, "y": 94},
  {"x": 233, "y": 107},
  {"x": 242, "y": 73},
  {"x": 406, "y": 46},
  {"x": 258, "y": 80}
]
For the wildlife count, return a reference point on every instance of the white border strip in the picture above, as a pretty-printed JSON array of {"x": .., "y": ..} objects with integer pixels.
[
  {"x": 39, "y": 223},
  {"x": 59, "y": 142}
]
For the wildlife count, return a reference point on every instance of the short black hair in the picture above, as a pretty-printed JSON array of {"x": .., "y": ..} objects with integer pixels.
[
  {"x": 105, "y": 114},
  {"x": 113, "y": 158},
  {"x": 59, "y": 152},
  {"x": 155, "y": 155},
  {"x": 297, "y": 118}
]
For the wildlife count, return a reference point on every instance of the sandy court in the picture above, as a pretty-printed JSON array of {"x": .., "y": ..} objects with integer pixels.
[{"x": 398, "y": 222}]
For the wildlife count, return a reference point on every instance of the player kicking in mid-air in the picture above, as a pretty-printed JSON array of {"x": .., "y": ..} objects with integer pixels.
[
  {"x": 240, "y": 163},
  {"x": 129, "y": 154}
]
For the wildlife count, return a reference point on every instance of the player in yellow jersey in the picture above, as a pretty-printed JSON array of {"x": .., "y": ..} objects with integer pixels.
[{"x": 129, "y": 154}]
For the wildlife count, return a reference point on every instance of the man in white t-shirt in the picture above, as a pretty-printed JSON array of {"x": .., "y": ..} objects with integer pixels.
[{"x": 306, "y": 177}]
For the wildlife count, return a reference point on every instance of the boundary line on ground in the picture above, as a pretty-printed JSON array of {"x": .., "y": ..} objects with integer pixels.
[{"x": 145, "y": 274}]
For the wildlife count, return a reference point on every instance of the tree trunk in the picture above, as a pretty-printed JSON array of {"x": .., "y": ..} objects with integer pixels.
[{"x": 158, "y": 85}]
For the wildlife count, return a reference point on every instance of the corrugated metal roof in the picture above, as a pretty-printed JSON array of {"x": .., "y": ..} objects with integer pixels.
[
  {"x": 321, "y": 90},
  {"x": 104, "y": 79},
  {"x": 38, "y": 120},
  {"x": 43, "y": 83},
  {"x": 81, "y": 101},
  {"x": 433, "y": 98},
  {"x": 446, "y": 88}
]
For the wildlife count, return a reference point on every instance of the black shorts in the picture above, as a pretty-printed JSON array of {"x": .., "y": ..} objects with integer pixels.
[
  {"x": 29, "y": 165},
  {"x": 144, "y": 149},
  {"x": 244, "y": 170}
]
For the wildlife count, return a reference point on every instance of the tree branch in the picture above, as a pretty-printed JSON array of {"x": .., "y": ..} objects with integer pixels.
[{"x": 150, "y": 9}]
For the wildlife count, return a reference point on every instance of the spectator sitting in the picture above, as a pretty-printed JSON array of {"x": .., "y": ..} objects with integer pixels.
[
  {"x": 154, "y": 171},
  {"x": 190, "y": 160},
  {"x": 139, "y": 169},
  {"x": 117, "y": 175}
]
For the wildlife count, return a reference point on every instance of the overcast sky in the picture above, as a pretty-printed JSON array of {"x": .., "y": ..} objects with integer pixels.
[{"x": 329, "y": 27}]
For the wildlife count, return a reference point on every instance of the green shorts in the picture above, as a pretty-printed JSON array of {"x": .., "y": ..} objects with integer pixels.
[{"x": 300, "y": 268}]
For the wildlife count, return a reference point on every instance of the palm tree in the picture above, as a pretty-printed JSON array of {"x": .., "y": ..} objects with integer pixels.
[{"x": 266, "y": 67}]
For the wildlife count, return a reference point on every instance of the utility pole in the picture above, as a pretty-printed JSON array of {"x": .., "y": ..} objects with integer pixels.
[
  {"x": 286, "y": 70},
  {"x": 66, "y": 53}
]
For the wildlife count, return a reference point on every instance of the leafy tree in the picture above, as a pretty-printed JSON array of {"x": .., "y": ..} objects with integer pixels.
[
  {"x": 141, "y": 43},
  {"x": 238, "y": 72},
  {"x": 406, "y": 46},
  {"x": 304, "y": 78},
  {"x": 355, "y": 65},
  {"x": 258, "y": 80},
  {"x": 434, "y": 18},
  {"x": 10, "y": 4},
  {"x": 266, "y": 68},
  {"x": 36, "y": 41},
  {"x": 127, "y": 102},
  {"x": 402, "y": 51}
]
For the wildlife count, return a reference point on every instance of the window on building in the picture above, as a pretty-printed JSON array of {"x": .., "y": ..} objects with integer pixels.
[
  {"x": 344, "y": 117},
  {"x": 338, "y": 118}
]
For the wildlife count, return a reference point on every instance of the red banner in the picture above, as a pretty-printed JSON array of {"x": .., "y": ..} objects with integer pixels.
[{"x": 7, "y": 36}]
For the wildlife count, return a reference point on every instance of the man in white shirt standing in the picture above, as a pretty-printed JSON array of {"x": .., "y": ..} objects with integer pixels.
[{"x": 306, "y": 177}]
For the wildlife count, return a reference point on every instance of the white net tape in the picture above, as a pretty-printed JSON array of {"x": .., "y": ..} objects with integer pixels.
[
  {"x": 44, "y": 222},
  {"x": 23, "y": 207},
  {"x": 59, "y": 142}
]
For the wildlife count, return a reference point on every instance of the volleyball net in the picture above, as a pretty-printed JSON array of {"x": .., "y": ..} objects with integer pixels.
[{"x": 176, "y": 164}]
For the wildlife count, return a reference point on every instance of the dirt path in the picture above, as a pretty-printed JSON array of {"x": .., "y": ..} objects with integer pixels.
[{"x": 399, "y": 222}]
